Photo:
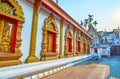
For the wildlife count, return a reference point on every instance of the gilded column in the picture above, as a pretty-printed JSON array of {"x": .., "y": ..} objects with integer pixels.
[
  {"x": 89, "y": 46},
  {"x": 82, "y": 48},
  {"x": 74, "y": 41},
  {"x": 32, "y": 57},
  {"x": 61, "y": 37},
  {"x": 86, "y": 45}
]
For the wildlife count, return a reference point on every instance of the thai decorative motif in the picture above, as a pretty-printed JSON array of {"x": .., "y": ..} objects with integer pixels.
[
  {"x": 49, "y": 40},
  {"x": 5, "y": 36},
  {"x": 78, "y": 43},
  {"x": 11, "y": 20},
  {"x": 68, "y": 43},
  {"x": 14, "y": 9}
]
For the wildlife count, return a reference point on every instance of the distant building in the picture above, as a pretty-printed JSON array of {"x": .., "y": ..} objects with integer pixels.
[
  {"x": 94, "y": 46},
  {"x": 111, "y": 39}
]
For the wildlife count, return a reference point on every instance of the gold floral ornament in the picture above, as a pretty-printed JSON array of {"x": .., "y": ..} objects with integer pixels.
[
  {"x": 11, "y": 8},
  {"x": 5, "y": 38}
]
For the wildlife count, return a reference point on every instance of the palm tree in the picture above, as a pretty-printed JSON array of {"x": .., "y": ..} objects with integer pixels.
[
  {"x": 90, "y": 19},
  {"x": 85, "y": 23},
  {"x": 81, "y": 23},
  {"x": 95, "y": 23}
]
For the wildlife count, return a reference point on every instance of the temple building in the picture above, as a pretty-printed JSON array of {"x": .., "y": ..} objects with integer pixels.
[{"x": 38, "y": 30}]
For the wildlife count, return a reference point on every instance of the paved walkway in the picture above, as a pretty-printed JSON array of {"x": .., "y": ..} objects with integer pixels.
[
  {"x": 92, "y": 71},
  {"x": 80, "y": 72},
  {"x": 113, "y": 62}
]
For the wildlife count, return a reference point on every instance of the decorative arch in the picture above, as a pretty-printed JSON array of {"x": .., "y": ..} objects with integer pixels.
[
  {"x": 49, "y": 41},
  {"x": 78, "y": 43},
  {"x": 11, "y": 20},
  {"x": 68, "y": 42}
]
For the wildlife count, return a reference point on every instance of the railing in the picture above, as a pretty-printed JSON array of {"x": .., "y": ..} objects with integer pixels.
[{"x": 40, "y": 69}]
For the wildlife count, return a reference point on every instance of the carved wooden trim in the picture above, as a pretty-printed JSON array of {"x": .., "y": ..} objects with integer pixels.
[
  {"x": 12, "y": 9},
  {"x": 68, "y": 35},
  {"x": 78, "y": 39},
  {"x": 50, "y": 26}
]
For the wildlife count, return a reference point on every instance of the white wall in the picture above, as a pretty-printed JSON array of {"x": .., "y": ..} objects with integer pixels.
[
  {"x": 58, "y": 36},
  {"x": 42, "y": 15},
  {"x": 26, "y": 31}
]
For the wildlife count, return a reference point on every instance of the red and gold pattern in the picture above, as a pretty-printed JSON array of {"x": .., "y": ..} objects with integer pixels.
[
  {"x": 49, "y": 41},
  {"x": 78, "y": 44},
  {"x": 68, "y": 43},
  {"x": 11, "y": 20}
]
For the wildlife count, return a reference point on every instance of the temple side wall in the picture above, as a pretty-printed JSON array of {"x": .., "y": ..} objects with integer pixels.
[{"x": 26, "y": 32}]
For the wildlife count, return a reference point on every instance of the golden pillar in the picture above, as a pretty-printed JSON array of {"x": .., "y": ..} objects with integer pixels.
[
  {"x": 32, "y": 57},
  {"x": 88, "y": 46},
  {"x": 74, "y": 41},
  {"x": 82, "y": 51},
  {"x": 61, "y": 37}
]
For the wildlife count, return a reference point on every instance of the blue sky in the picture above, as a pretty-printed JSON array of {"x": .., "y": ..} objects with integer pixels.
[{"x": 106, "y": 12}]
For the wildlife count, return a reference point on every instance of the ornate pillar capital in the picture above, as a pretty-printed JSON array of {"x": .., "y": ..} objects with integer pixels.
[
  {"x": 62, "y": 22},
  {"x": 38, "y": 4},
  {"x": 75, "y": 29}
]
